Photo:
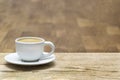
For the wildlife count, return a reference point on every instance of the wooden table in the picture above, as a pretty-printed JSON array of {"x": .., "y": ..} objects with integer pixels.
[{"x": 72, "y": 66}]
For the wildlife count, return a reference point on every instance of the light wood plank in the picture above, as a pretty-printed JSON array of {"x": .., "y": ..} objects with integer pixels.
[{"x": 72, "y": 66}]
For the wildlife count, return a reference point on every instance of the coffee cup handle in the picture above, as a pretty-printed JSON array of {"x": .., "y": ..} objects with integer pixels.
[{"x": 47, "y": 54}]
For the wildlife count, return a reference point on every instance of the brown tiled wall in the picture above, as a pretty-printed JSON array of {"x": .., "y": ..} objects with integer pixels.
[{"x": 73, "y": 25}]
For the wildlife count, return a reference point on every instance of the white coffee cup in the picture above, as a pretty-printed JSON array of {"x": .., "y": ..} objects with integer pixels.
[{"x": 32, "y": 48}]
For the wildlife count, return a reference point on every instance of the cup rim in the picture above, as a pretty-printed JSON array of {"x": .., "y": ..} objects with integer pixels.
[{"x": 16, "y": 40}]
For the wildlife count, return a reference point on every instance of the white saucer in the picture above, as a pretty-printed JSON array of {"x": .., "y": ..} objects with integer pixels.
[{"x": 13, "y": 58}]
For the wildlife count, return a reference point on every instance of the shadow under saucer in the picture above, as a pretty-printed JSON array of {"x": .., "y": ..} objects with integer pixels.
[{"x": 29, "y": 68}]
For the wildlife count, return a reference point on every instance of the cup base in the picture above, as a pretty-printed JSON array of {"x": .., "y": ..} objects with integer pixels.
[{"x": 29, "y": 60}]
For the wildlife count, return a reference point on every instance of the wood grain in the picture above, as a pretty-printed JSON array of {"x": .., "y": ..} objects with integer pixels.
[
  {"x": 72, "y": 66},
  {"x": 74, "y": 26}
]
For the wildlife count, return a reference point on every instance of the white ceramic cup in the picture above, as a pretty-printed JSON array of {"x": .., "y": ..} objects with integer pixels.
[{"x": 33, "y": 51}]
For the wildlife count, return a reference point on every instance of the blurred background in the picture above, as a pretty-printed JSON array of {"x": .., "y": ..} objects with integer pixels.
[{"x": 72, "y": 25}]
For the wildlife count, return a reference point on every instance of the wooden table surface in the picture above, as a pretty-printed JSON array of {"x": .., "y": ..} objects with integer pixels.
[{"x": 72, "y": 66}]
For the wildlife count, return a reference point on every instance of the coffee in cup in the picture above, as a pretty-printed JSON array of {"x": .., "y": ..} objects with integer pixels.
[{"x": 29, "y": 40}]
